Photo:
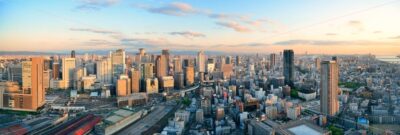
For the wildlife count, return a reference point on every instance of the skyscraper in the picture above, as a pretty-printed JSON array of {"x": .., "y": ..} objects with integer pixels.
[
  {"x": 318, "y": 64},
  {"x": 73, "y": 54},
  {"x": 118, "y": 63},
  {"x": 162, "y": 66},
  {"x": 329, "y": 88},
  {"x": 201, "y": 60},
  {"x": 189, "y": 75},
  {"x": 123, "y": 86},
  {"x": 33, "y": 95},
  {"x": 177, "y": 64},
  {"x": 56, "y": 70},
  {"x": 104, "y": 71},
  {"x": 272, "y": 60},
  {"x": 147, "y": 70},
  {"x": 288, "y": 67},
  {"x": 237, "y": 60},
  {"x": 165, "y": 52},
  {"x": 135, "y": 79},
  {"x": 37, "y": 89},
  {"x": 68, "y": 66}
]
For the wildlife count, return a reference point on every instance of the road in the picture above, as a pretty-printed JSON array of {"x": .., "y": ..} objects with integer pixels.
[{"x": 145, "y": 123}]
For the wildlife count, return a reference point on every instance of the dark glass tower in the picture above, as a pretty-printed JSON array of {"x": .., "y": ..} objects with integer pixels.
[
  {"x": 73, "y": 54},
  {"x": 288, "y": 67}
]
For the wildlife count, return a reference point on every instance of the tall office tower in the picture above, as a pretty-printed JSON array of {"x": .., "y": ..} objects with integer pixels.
[
  {"x": 46, "y": 64},
  {"x": 68, "y": 66},
  {"x": 73, "y": 54},
  {"x": 288, "y": 67},
  {"x": 135, "y": 79},
  {"x": 210, "y": 65},
  {"x": 177, "y": 64},
  {"x": 237, "y": 60},
  {"x": 188, "y": 62},
  {"x": 37, "y": 89},
  {"x": 142, "y": 52},
  {"x": 79, "y": 72},
  {"x": 118, "y": 63},
  {"x": 228, "y": 60},
  {"x": 318, "y": 64},
  {"x": 161, "y": 66},
  {"x": 334, "y": 58},
  {"x": 140, "y": 57},
  {"x": 272, "y": 60},
  {"x": 33, "y": 95},
  {"x": 189, "y": 76},
  {"x": 128, "y": 62},
  {"x": 56, "y": 70},
  {"x": 147, "y": 70},
  {"x": 14, "y": 72},
  {"x": 179, "y": 80},
  {"x": 329, "y": 88},
  {"x": 201, "y": 60},
  {"x": 104, "y": 71},
  {"x": 123, "y": 86},
  {"x": 165, "y": 52}
]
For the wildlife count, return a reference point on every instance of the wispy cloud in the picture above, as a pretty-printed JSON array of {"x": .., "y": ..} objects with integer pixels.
[
  {"x": 377, "y": 32},
  {"x": 333, "y": 42},
  {"x": 357, "y": 25},
  {"x": 100, "y": 42},
  {"x": 188, "y": 34},
  {"x": 395, "y": 37},
  {"x": 235, "y": 26},
  {"x": 331, "y": 34},
  {"x": 95, "y": 4},
  {"x": 239, "y": 23},
  {"x": 94, "y": 30},
  {"x": 174, "y": 9}
]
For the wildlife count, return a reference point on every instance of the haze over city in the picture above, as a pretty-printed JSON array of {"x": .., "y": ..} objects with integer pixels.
[{"x": 316, "y": 27}]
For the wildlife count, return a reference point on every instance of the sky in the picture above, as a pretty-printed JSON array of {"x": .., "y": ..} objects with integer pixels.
[{"x": 243, "y": 26}]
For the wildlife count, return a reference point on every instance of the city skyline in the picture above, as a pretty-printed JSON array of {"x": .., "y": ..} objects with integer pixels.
[{"x": 339, "y": 27}]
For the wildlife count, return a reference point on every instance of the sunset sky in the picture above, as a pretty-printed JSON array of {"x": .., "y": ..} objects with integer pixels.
[{"x": 263, "y": 26}]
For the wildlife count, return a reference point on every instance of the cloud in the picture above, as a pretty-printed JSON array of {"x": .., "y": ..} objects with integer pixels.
[
  {"x": 309, "y": 42},
  {"x": 234, "y": 25},
  {"x": 100, "y": 42},
  {"x": 395, "y": 37},
  {"x": 144, "y": 43},
  {"x": 95, "y": 4},
  {"x": 333, "y": 42},
  {"x": 174, "y": 9},
  {"x": 330, "y": 34},
  {"x": 357, "y": 25},
  {"x": 240, "y": 23},
  {"x": 377, "y": 32},
  {"x": 94, "y": 31},
  {"x": 188, "y": 34}
]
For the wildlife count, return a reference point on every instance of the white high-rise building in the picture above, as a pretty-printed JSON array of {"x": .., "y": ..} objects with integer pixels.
[
  {"x": 68, "y": 66},
  {"x": 329, "y": 88},
  {"x": 118, "y": 63},
  {"x": 201, "y": 60},
  {"x": 104, "y": 71}
]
